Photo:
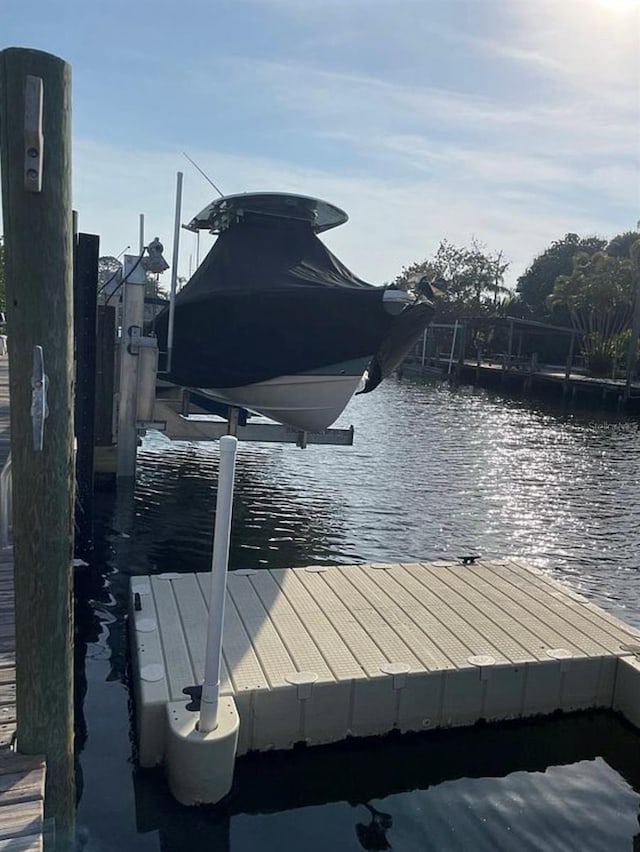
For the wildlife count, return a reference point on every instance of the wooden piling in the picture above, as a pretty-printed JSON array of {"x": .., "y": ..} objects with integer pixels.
[
  {"x": 85, "y": 286},
  {"x": 35, "y": 152}
]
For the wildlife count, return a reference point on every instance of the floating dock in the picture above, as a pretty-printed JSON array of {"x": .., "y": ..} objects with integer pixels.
[{"x": 318, "y": 654}]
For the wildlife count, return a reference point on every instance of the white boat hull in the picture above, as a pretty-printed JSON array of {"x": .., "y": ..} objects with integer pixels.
[{"x": 310, "y": 402}]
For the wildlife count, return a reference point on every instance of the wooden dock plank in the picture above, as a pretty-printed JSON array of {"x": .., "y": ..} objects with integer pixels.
[
  {"x": 18, "y": 819},
  {"x": 22, "y": 777},
  {"x": 32, "y": 843}
]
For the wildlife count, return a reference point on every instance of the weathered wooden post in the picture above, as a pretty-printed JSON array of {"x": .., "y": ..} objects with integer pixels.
[
  {"x": 35, "y": 155},
  {"x": 85, "y": 285}
]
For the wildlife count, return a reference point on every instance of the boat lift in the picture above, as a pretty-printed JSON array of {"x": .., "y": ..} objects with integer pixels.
[
  {"x": 202, "y": 735},
  {"x": 182, "y": 414},
  {"x": 145, "y": 401}
]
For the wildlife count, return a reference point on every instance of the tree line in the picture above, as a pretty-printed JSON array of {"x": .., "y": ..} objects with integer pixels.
[{"x": 586, "y": 283}]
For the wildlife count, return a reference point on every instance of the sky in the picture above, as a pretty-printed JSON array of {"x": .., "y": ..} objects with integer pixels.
[{"x": 509, "y": 121}]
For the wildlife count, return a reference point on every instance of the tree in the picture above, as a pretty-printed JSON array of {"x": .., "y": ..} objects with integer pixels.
[
  {"x": 620, "y": 246},
  {"x": 536, "y": 284},
  {"x": 598, "y": 295},
  {"x": 110, "y": 278},
  {"x": 109, "y": 275},
  {"x": 473, "y": 278}
]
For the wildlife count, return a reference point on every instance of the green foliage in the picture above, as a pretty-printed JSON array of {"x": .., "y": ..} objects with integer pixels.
[
  {"x": 620, "y": 246},
  {"x": 110, "y": 276},
  {"x": 473, "y": 277},
  {"x": 598, "y": 295},
  {"x": 536, "y": 283}
]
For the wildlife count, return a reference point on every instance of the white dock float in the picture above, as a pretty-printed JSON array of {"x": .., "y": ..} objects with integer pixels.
[{"x": 318, "y": 654}]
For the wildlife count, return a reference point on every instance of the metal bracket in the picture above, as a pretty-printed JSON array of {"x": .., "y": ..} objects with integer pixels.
[
  {"x": 137, "y": 340},
  {"x": 39, "y": 409},
  {"x": 158, "y": 425},
  {"x": 195, "y": 694},
  {"x": 33, "y": 137}
]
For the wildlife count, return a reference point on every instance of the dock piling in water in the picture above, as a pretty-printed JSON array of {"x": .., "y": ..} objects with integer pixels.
[{"x": 35, "y": 151}]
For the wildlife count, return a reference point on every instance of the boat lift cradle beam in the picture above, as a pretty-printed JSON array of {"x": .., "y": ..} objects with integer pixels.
[{"x": 180, "y": 427}]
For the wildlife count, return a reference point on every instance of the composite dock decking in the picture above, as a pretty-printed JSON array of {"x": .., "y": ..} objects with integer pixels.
[
  {"x": 21, "y": 776},
  {"x": 317, "y": 654}
]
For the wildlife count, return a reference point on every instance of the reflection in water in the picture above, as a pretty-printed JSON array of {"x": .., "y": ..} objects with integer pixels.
[
  {"x": 373, "y": 835},
  {"x": 570, "y": 783},
  {"x": 433, "y": 472}
]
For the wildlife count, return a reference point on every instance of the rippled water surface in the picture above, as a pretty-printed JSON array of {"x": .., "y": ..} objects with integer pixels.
[{"x": 433, "y": 472}]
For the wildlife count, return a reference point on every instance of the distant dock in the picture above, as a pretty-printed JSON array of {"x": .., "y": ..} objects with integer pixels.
[
  {"x": 527, "y": 378},
  {"x": 319, "y": 654}
]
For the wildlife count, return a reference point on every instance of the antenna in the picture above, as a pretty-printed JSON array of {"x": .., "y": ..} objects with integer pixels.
[{"x": 205, "y": 176}]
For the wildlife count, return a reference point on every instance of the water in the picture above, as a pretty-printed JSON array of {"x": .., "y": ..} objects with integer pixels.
[{"x": 434, "y": 472}]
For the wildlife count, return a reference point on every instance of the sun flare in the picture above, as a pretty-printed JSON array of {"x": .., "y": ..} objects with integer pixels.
[{"x": 619, "y": 5}]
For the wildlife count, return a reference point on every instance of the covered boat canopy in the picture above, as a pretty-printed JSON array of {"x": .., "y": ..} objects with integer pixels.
[
  {"x": 270, "y": 300},
  {"x": 231, "y": 209},
  {"x": 261, "y": 255}
]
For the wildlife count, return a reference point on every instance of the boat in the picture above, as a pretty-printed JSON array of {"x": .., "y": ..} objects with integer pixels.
[{"x": 271, "y": 321}]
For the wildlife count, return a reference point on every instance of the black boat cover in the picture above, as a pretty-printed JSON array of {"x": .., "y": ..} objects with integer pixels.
[
  {"x": 270, "y": 299},
  {"x": 261, "y": 256}
]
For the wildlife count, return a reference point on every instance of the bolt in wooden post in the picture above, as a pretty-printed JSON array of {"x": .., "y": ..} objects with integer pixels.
[{"x": 35, "y": 155}]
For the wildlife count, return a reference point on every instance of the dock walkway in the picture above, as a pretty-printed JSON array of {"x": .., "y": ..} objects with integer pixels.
[{"x": 21, "y": 776}]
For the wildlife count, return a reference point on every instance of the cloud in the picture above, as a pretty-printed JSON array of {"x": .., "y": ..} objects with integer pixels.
[
  {"x": 511, "y": 122},
  {"x": 392, "y": 222}
]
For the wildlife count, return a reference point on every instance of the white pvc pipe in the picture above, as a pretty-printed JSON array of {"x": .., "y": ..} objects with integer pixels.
[
  {"x": 219, "y": 565},
  {"x": 174, "y": 269}
]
